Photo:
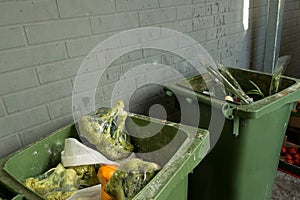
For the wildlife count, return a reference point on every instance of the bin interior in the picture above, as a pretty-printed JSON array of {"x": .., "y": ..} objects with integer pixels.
[
  {"x": 243, "y": 77},
  {"x": 6, "y": 193},
  {"x": 159, "y": 148}
]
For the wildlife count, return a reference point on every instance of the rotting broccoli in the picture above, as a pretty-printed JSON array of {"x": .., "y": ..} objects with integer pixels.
[
  {"x": 87, "y": 175},
  {"x": 107, "y": 131},
  {"x": 60, "y": 183},
  {"x": 130, "y": 178}
]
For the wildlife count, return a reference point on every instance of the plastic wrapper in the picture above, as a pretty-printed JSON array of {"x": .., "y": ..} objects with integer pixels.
[
  {"x": 130, "y": 178},
  {"x": 61, "y": 183},
  {"x": 77, "y": 154},
  {"x": 106, "y": 131}
]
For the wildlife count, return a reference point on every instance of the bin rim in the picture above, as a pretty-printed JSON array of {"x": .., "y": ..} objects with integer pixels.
[{"x": 253, "y": 110}]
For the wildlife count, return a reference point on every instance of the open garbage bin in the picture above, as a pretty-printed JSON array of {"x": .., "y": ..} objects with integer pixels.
[
  {"x": 178, "y": 148},
  {"x": 243, "y": 163}
]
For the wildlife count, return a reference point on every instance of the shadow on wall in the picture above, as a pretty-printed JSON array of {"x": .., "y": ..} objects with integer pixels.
[
  {"x": 257, "y": 33},
  {"x": 293, "y": 69}
]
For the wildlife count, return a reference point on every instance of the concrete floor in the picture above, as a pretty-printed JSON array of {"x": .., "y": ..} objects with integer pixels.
[{"x": 286, "y": 187}]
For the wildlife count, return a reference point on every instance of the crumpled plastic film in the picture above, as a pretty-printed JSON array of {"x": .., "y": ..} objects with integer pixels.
[
  {"x": 90, "y": 193},
  {"x": 77, "y": 154}
]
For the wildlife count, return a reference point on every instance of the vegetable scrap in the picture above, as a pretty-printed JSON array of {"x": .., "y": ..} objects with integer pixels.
[
  {"x": 256, "y": 91},
  {"x": 60, "y": 183},
  {"x": 131, "y": 176},
  {"x": 105, "y": 172},
  {"x": 107, "y": 132}
]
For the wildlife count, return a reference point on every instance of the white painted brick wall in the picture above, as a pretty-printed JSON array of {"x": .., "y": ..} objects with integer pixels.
[
  {"x": 78, "y": 8},
  {"x": 166, "y": 3},
  {"x": 114, "y": 22},
  {"x": 157, "y": 16},
  {"x": 125, "y": 5},
  {"x": 290, "y": 36},
  {"x": 24, "y": 57},
  {"x": 43, "y": 43},
  {"x": 17, "y": 80},
  {"x": 22, "y": 120},
  {"x": 12, "y": 36},
  {"x": 52, "y": 31},
  {"x": 2, "y": 109},
  {"x": 37, "y": 96},
  {"x": 15, "y": 12}
]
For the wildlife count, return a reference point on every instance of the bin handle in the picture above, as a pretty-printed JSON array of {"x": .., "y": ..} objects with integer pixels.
[{"x": 228, "y": 112}]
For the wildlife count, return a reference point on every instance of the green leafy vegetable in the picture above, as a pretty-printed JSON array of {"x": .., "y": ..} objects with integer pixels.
[
  {"x": 106, "y": 130},
  {"x": 130, "y": 178},
  {"x": 60, "y": 183},
  {"x": 256, "y": 91}
]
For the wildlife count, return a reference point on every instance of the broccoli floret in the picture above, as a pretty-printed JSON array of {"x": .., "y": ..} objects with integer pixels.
[
  {"x": 130, "y": 178},
  {"x": 60, "y": 183},
  {"x": 106, "y": 130}
]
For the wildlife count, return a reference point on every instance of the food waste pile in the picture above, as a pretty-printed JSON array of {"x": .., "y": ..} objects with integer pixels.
[{"x": 120, "y": 175}]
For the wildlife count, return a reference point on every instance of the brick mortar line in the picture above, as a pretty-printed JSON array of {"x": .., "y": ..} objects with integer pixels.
[
  {"x": 39, "y": 86},
  {"x": 87, "y": 36},
  {"x": 54, "y": 20},
  {"x": 37, "y": 76},
  {"x": 58, "y": 11},
  {"x": 48, "y": 110},
  {"x": 25, "y": 35},
  {"x": 31, "y": 108},
  {"x": 8, "y": 136},
  {"x": 20, "y": 90},
  {"x": 25, "y": 23},
  {"x": 15, "y": 48},
  {"x": 28, "y": 45},
  {"x": 23, "y": 111},
  {"x": 33, "y": 45},
  {"x": 4, "y": 106},
  {"x": 91, "y": 27},
  {"x": 66, "y": 50},
  {"x": 115, "y": 6},
  {"x": 58, "y": 41},
  {"x": 65, "y": 79},
  {"x": 136, "y": 10},
  {"x": 17, "y": 91},
  {"x": 57, "y": 100},
  {"x": 32, "y": 66},
  {"x": 41, "y": 124},
  {"x": 20, "y": 140},
  {"x": 90, "y": 15},
  {"x": 139, "y": 19},
  {"x": 44, "y": 64},
  {"x": 114, "y": 31}
]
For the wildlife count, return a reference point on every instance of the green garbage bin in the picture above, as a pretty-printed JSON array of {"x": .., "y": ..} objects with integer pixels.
[
  {"x": 243, "y": 163},
  {"x": 178, "y": 148}
]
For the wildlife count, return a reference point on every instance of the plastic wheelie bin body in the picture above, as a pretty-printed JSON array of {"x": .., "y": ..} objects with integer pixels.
[
  {"x": 177, "y": 148},
  {"x": 243, "y": 163}
]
